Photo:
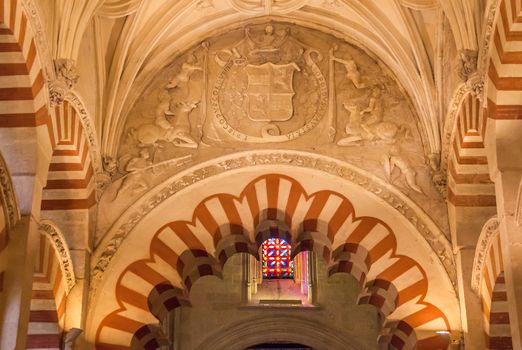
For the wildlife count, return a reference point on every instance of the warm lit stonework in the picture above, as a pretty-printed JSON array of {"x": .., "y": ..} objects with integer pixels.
[{"x": 260, "y": 174}]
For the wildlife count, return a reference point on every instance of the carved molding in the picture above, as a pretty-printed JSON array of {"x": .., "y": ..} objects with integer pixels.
[
  {"x": 35, "y": 22},
  {"x": 489, "y": 231},
  {"x": 450, "y": 126},
  {"x": 487, "y": 36},
  {"x": 244, "y": 334},
  {"x": 7, "y": 195},
  {"x": 389, "y": 194},
  {"x": 62, "y": 252},
  {"x": 267, "y": 7},
  {"x": 88, "y": 128}
]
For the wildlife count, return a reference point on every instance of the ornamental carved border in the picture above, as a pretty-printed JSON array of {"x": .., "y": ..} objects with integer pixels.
[
  {"x": 450, "y": 128},
  {"x": 62, "y": 252},
  {"x": 489, "y": 231},
  {"x": 7, "y": 195},
  {"x": 88, "y": 128},
  {"x": 35, "y": 21},
  {"x": 393, "y": 197}
]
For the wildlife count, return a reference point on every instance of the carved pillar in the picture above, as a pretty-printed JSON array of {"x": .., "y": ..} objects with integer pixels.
[
  {"x": 505, "y": 159},
  {"x": 466, "y": 223},
  {"x": 18, "y": 281}
]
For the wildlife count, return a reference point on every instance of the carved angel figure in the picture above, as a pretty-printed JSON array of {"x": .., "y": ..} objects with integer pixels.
[
  {"x": 352, "y": 72},
  {"x": 395, "y": 159},
  {"x": 375, "y": 107},
  {"x": 269, "y": 40},
  {"x": 353, "y": 129}
]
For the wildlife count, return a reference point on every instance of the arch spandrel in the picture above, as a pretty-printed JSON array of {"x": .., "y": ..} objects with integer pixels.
[
  {"x": 164, "y": 220},
  {"x": 333, "y": 99}
]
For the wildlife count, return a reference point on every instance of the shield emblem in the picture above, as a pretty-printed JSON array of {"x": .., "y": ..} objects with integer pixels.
[{"x": 270, "y": 91}]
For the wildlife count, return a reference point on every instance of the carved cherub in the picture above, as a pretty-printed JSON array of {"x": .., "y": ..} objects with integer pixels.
[
  {"x": 395, "y": 159},
  {"x": 354, "y": 132},
  {"x": 162, "y": 110},
  {"x": 352, "y": 72},
  {"x": 375, "y": 107},
  {"x": 268, "y": 41},
  {"x": 187, "y": 69}
]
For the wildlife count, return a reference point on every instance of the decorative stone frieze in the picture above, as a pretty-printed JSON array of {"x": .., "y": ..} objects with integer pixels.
[
  {"x": 66, "y": 77},
  {"x": 7, "y": 194},
  {"x": 404, "y": 206},
  {"x": 489, "y": 231},
  {"x": 59, "y": 244},
  {"x": 467, "y": 64}
]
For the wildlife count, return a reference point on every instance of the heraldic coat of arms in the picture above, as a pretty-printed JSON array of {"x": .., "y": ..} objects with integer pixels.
[{"x": 254, "y": 99}]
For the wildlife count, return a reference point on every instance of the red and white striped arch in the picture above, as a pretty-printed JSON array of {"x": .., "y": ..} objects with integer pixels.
[
  {"x": 9, "y": 215},
  {"x": 70, "y": 183},
  {"x": 23, "y": 99},
  {"x": 48, "y": 301},
  {"x": 469, "y": 184},
  {"x": 398, "y": 277},
  {"x": 504, "y": 90},
  {"x": 489, "y": 270}
]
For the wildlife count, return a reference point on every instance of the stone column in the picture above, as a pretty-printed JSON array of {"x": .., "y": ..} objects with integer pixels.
[
  {"x": 505, "y": 159},
  {"x": 76, "y": 226},
  {"x": 466, "y": 224},
  {"x": 23, "y": 246}
]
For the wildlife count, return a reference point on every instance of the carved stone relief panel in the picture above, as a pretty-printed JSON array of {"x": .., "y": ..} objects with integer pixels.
[{"x": 273, "y": 85}]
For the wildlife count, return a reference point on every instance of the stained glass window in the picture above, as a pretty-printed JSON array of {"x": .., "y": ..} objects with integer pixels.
[{"x": 277, "y": 261}]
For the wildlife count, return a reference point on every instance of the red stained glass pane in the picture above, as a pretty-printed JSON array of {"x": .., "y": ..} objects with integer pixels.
[{"x": 277, "y": 261}]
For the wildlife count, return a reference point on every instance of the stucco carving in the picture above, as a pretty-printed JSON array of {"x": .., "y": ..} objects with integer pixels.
[
  {"x": 7, "y": 195},
  {"x": 489, "y": 231},
  {"x": 399, "y": 202},
  {"x": 35, "y": 22},
  {"x": 487, "y": 37},
  {"x": 275, "y": 83},
  {"x": 466, "y": 64},
  {"x": 66, "y": 72},
  {"x": 60, "y": 246},
  {"x": 66, "y": 76}
]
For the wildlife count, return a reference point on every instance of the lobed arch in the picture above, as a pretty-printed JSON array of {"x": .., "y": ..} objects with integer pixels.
[{"x": 377, "y": 258}]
